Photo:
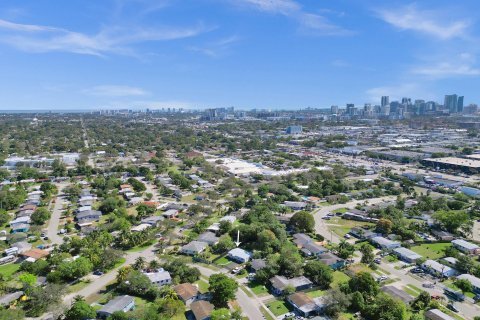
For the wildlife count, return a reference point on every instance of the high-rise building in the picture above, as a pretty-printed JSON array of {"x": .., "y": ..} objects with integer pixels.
[
  {"x": 460, "y": 104},
  {"x": 385, "y": 101},
  {"x": 294, "y": 130},
  {"x": 350, "y": 109},
  {"x": 334, "y": 109},
  {"x": 451, "y": 103}
]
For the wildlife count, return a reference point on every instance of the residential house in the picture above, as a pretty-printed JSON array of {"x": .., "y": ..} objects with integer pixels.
[
  {"x": 303, "y": 304},
  {"x": 442, "y": 235},
  {"x": 159, "y": 277},
  {"x": 295, "y": 205},
  {"x": 201, "y": 309},
  {"x": 20, "y": 227},
  {"x": 384, "y": 243},
  {"x": 194, "y": 248},
  {"x": 473, "y": 280},
  {"x": 407, "y": 255},
  {"x": 363, "y": 234},
  {"x": 239, "y": 255},
  {"x": 153, "y": 221},
  {"x": 8, "y": 299},
  {"x": 35, "y": 254},
  {"x": 437, "y": 269},
  {"x": 208, "y": 237},
  {"x": 313, "y": 249},
  {"x": 140, "y": 227},
  {"x": 88, "y": 216},
  {"x": 186, "y": 292},
  {"x": 121, "y": 303},
  {"x": 279, "y": 283},
  {"x": 258, "y": 264},
  {"x": 466, "y": 247},
  {"x": 436, "y": 314},
  {"x": 358, "y": 215},
  {"x": 331, "y": 260},
  {"x": 170, "y": 214},
  {"x": 398, "y": 294}
]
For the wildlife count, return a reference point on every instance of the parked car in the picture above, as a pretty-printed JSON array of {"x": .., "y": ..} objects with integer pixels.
[
  {"x": 347, "y": 236},
  {"x": 377, "y": 261},
  {"x": 452, "y": 307},
  {"x": 98, "y": 273},
  {"x": 428, "y": 285}
]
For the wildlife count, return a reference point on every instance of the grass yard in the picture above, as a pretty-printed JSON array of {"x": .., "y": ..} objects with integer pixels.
[
  {"x": 266, "y": 314},
  {"x": 412, "y": 290},
  {"x": 141, "y": 248},
  {"x": 341, "y": 226},
  {"x": 202, "y": 286},
  {"x": 431, "y": 251},
  {"x": 9, "y": 270},
  {"x": 223, "y": 261},
  {"x": 451, "y": 285},
  {"x": 258, "y": 289},
  {"x": 278, "y": 307},
  {"x": 338, "y": 278},
  {"x": 340, "y": 210},
  {"x": 78, "y": 286},
  {"x": 316, "y": 293}
]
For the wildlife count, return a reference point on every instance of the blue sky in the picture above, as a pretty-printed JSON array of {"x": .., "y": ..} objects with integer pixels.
[{"x": 245, "y": 53}]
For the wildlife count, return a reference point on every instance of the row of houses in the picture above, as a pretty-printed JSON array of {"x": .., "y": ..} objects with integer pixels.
[
  {"x": 85, "y": 215},
  {"x": 21, "y": 223}
]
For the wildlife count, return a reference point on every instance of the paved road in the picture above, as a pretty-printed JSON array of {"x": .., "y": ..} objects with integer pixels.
[
  {"x": 250, "y": 305},
  {"x": 53, "y": 224}
]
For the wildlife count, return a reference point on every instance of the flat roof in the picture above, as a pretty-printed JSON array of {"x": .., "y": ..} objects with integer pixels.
[{"x": 472, "y": 163}]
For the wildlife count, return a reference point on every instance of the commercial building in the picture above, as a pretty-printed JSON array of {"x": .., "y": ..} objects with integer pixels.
[
  {"x": 294, "y": 130},
  {"x": 462, "y": 164}
]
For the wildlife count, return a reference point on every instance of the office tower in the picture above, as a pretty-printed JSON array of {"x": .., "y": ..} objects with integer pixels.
[
  {"x": 394, "y": 105},
  {"x": 460, "y": 104},
  {"x": 334, "y": 109},
  {"x": 406, "y": 101},
  {"x": 385, "y": 110},
  {"x": 350, "y": 109},
  {"x": 451, "y": 103},
  {"x": 385, "y": 101}
]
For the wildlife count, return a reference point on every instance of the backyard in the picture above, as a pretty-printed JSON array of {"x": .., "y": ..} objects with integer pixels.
[{"x": 431, "y": 251}]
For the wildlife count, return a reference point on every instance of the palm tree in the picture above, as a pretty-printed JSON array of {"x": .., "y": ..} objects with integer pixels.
[
  {"x": 123, "y": 273},
  {"x": 154, "y": 264},
  {"x": 139, "y": 263}
]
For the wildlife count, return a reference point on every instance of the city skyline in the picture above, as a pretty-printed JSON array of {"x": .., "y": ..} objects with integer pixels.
[{"x": 279, "y": 54}]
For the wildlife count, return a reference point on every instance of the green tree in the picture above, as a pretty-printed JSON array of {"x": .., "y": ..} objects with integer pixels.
[
  {"x": 80, "y": 310},
  {"x": 221, "y": 314},
  {"x": 464, "y": 285},
  {"x": 364, "y": 283},
  {"x": 302, "y": 221},
  {"x": 40, "y": 216},
  {"x": 385, "y": 308},
  {"x": 367, "y": 253},
  {"x": 319, "y": 273},
  {"x": 222, "y": 288},
  {"x": 27, "y": 279}
]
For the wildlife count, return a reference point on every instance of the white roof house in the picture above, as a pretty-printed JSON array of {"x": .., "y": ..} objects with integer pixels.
[
  {"x": 406, "y": 254},
  {"x": 239, "y": 255},
  {"x": 140, "y": 227},
  {"x": 159, "y": 277},
  {"x": 385, "y": 243},
  {"x": 465, "y": 246},
  {"x": 473, "y": 280},
  {"x": 437, "y": 268}
]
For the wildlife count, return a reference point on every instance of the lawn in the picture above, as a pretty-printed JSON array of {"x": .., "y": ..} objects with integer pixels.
[
  {"x": 338, "y": 278},
  {"x": 8, "y": 270},
  {"x": 266, "y": 314},
  {"x": 431, "y": 251},
  {"x": 78, "y": 286},
  {"x": 341, "y": 226},
  {"x": 258, "y": 289},
  {"x": 340, "y": 210},
  {"x": 202, "y": 286},
  {"x": 315, "y": 293},
  {"x": 278, "y": 307},
  {"x": 451, "y": 285},
  {"x": 412, "y": 290},
  {"x": 141, "y": 247},
  {"x": 223, "y": 261}
]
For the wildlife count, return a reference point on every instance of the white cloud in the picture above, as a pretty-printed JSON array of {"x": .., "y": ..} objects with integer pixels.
[
  {"x": 115, "y": 91},
  {"x": 117, "y": 40},
  {"x": 293, "y": 10},
  {"x": 217, "y": 48},
  {"x": 463, "y": 64},
  {"x": 427, "y": 22}
]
